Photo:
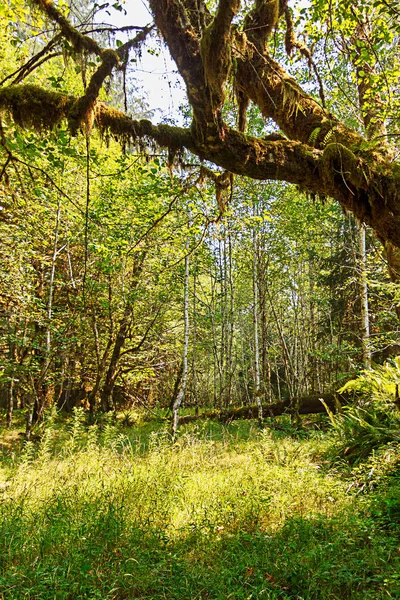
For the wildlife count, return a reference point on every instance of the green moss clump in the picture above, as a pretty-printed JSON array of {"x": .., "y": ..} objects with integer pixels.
[
  {"x": 33, "y": 106},
  {"x": 338, "y": 158}
]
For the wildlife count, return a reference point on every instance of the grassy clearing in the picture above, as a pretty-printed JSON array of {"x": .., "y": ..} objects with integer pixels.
[{"x": 225, "y": 512}]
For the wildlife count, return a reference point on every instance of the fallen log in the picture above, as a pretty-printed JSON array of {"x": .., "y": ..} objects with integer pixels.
[{"x": 306, "y": 405}]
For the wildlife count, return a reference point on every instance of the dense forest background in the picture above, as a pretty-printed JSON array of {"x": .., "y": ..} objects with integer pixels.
[
  {"x": 285, "y": 294},
  {"x": 199, "y": 319}
]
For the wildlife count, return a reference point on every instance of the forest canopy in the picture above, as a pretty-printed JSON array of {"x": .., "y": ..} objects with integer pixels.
[
  {"x": 220, "y": 257},
  {"x": 166, "y": 281},
  {"x": 323, "y": 75}
]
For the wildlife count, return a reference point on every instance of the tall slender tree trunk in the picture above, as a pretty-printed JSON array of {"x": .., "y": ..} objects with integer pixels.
[
  {"x": 194, "y": 340},
  {"x": 46, "y": 363},
  {"x": 314, "y": 379},
  {"x": 230, "y": 321},
  {"x": 257, "y": 380},
  {"x": 223, "y": 309},
  {"x": 182, "y": 390},
  {"x": 290, "y": 373},
  {"x": 108, "y": 387},
  {"x": 51, "y": 283},
  {"x": 32, "y": 408},
  {"x": 10, "y": 405},
  {"x": 101, "y": 359},
  {"x": 12, "y": 355},
  {"x": 365, "y": 331},
  {"x": 217, "y": 367}
]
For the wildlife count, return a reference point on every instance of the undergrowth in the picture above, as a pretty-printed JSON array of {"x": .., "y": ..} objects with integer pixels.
[{"x": 224, "y": 512}]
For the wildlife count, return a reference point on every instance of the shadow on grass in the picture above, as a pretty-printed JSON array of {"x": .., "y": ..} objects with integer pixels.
[{"x": 101, "y": 555}]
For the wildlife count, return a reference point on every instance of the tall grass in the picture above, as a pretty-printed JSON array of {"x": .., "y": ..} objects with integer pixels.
[{"x": 225, "y": 512}]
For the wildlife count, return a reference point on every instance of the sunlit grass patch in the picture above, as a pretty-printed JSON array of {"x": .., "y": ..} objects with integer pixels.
[{"x": 103, "y": 515}]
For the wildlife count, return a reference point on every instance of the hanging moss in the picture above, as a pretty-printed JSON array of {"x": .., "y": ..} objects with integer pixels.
[
  {"x": 270, "y": 15},
  {"x": 112, "y": 122},
  {"x": 33, "y": 106},
  {"x": 291, "y": 41},
  {"x": 82, "y": 112}
]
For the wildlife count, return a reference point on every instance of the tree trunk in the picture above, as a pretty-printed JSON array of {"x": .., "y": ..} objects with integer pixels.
[
  {"x": 365, "y": 334},
  {"x": 257, "y": 382},
  {"x": 194, "y": 340},
  {"x": 181, "y": 394},
  {"x": 108, "y": 387},
  {"x": 307, "y": 405},
  {"x": 230, "y": 320},
  {"x": 10, "y": 404}
]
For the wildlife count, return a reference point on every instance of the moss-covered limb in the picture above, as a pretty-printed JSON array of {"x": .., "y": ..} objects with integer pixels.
[
  {"x": 339, "y": 159},
  {"x": 42, "y": 109},
  {"x": 282, "y": 99},
  {"x": 370, "y": 189},
  {"x": 82, "y": 111},
  {"x": 79, "y": 41},
  {"x": 216, "y": 51},
  {"x": 114, "y": 122},
  {"x": 258, "y": 76},
  {"x": 172, "y": 20},
  {"x": 237, "y": 153},
  {"x": 262, "y": 20},
  {"x": 33, "y": 106},
  {"x": 257, "y": 158}
]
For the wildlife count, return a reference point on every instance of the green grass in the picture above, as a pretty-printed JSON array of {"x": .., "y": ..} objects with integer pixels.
[{"x": 225, "y": 512}]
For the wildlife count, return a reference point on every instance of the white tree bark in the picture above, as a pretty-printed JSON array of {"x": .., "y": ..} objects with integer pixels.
[
  {"x": 257, "y": 379},
  {"x": 365, "y": 331},
  {"x": 182, "y": 390}
]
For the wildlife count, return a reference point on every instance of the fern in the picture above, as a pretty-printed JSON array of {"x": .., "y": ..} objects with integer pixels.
[
  {"x": 380, "y": 384},
  {"x": 314, "y": 135},
  {"x": 362, "y": 429},
  {"x": 328, "y": 137}
]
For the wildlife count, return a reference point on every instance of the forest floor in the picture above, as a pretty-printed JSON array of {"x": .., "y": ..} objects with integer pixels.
[{"x": 224, "y": 512}]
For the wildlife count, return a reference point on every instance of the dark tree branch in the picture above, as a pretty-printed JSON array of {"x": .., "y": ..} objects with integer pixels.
[
  {"x": 33, "y": 62},
  {"x": 321, "y": 154},
  {"x": 216, "y": 51},
  {"x": 79, "y": 41}
]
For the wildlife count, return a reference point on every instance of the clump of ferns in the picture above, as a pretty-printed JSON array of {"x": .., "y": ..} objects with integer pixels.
[{"x": 374, "y": 420}]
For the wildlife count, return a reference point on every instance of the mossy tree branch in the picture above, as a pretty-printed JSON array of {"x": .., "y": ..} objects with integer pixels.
[
  {"x": 216, "y": 51},
  {"x": 82, "y": 111},
  {"x": 79, "y": 41},
  {"x": 371, "y": 194},
  {"x": 321, "y": 155},
  {"x": 262, "y": 20},
  {"x": 81, "y": 114}
]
